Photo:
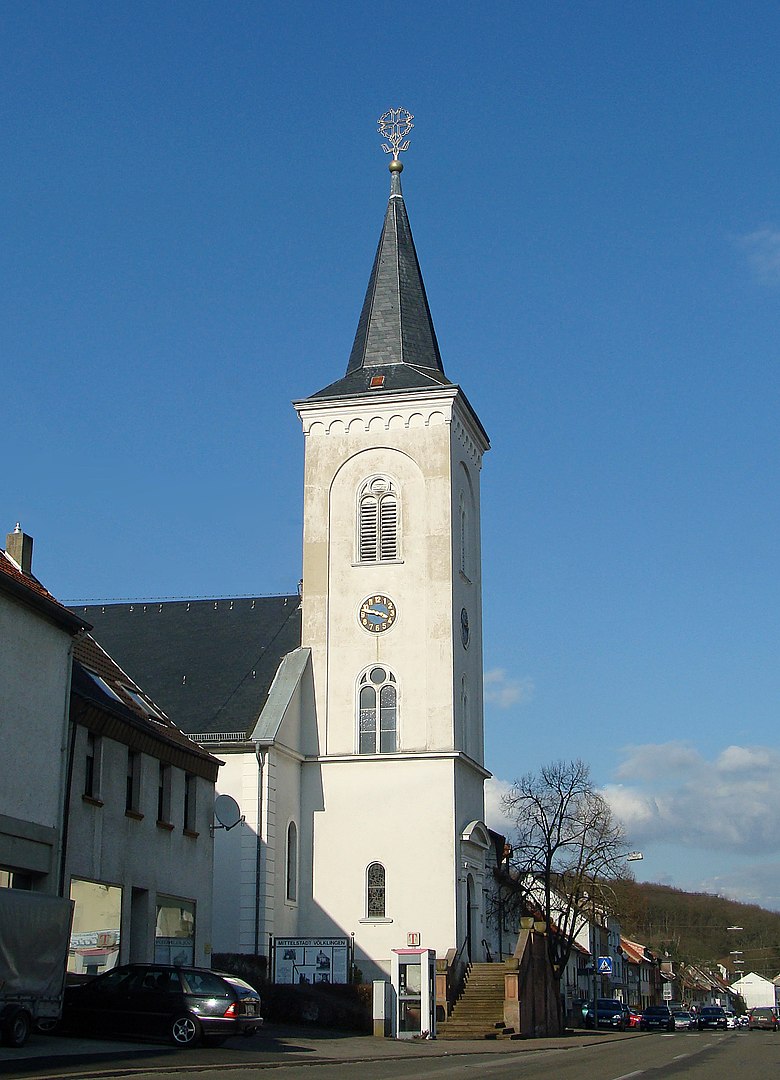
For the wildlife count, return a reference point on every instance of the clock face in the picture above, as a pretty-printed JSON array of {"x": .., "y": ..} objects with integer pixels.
[
  {"x": 377, "y": 613},
  {"x": 464, "y": 628}
]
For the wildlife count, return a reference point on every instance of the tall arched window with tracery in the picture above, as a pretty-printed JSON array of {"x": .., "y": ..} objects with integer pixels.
[
  {"x": 375, "y": 891},
  {"x": 464, "y": 714},
  {"x": 463, "y": 535},
  {"x": 292, "y": 861},
  {"x": 377, "y": 711},
  {"x": 377, "y": 520}
]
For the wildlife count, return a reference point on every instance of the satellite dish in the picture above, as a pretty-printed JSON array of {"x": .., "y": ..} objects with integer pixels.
[{"x": 227, "y": 812}]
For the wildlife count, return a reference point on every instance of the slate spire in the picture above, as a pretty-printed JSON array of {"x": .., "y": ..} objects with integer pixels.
[
  {"x": 395, "y": 339},
  {"x": 395, "y": 325}
]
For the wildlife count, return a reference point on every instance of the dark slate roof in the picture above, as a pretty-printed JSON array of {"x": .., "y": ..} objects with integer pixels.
[
  {"x": 395, "y": 335},
  {"x": 106, "y": 699},
  {"x": 208, "y": 663}
]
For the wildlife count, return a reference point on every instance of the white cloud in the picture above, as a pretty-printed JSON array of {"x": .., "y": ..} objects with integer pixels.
[
  {"x": 675, "y": 794},
  {"x": 763, "y": 253},
  {"x": 503, "y": 691},
  {"x": 495, "y": 818},
  {"x": 657, "y": 760}
]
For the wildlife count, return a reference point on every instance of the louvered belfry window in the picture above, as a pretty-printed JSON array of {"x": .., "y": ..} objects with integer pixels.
[{"x": 378, "y": 521}]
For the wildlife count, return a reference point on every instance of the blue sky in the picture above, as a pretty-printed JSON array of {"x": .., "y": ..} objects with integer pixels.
[{"x": 191, "y": 199}]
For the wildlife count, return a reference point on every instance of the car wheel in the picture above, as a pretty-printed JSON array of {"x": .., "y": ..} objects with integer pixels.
[
  {"x": 16, "y": 1028},
  {"x": 185, "y": 1030}
]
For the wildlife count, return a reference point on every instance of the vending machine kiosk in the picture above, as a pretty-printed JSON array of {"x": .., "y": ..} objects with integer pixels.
[{"x": 413, "y": 977}]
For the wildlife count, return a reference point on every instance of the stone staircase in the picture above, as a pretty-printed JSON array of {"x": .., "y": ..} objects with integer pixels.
[{"x": 478, "y": 1012}]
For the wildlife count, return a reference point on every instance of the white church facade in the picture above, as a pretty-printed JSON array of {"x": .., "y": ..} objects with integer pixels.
[{"x": 350, "y": 717}]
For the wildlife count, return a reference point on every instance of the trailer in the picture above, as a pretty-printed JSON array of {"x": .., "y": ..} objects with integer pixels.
[{"x": 34, "y": 943}]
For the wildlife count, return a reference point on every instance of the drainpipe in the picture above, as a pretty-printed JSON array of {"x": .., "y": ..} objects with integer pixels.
[{"x": 261, "y": 756}]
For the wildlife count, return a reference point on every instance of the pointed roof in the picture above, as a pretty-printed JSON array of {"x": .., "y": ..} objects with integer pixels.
[{"x": 395, "y": 336}]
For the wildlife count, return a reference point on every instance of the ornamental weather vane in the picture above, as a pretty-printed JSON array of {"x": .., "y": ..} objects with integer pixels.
[{"x": 395, "y": 125}]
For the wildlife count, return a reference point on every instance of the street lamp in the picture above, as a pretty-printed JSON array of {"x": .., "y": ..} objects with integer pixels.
[{"x": 629, "y": 856}]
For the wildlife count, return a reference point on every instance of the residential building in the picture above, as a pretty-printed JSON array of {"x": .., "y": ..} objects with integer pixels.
[
  {"x": 37, "y": 633},
  {"x": 103, "y": 799},
  {"x": 138, "y": 849},
  {"x": 755, "y": 990}
]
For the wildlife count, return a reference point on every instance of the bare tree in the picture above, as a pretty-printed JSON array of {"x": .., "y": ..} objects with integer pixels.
[{"x": 566, "y": 844}]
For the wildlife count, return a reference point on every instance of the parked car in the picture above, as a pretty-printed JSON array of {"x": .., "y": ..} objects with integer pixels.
[
  {"x": 611, "y": 1013},
  {"x": 764, "y": 1017},
  {"x": 711, "y": 1016},
  {"x": 656, "y": 1018},
  {"x": 184, "y": 1004},
  {"x": 683, "y": 1020}
]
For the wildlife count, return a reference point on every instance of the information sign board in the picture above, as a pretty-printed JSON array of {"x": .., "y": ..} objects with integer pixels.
[{"x": 311, "y": 960}]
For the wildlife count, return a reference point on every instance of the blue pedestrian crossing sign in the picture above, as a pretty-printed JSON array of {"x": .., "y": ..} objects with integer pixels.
[{"x": 605, "y": 965}]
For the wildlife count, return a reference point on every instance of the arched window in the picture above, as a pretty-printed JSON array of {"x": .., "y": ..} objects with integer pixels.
[
  {"x": 464, "y": 714},
  {"x": 377, "y": 521},
  {"x": 375, "y": 891},
  {"x": 377, "y": 712},
  {"x": 463, "y": 536},
  {"x": 292, "y": 861}
]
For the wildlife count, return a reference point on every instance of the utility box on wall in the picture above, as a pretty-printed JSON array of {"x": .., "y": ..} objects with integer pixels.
[{"x": 413, "y": 977}]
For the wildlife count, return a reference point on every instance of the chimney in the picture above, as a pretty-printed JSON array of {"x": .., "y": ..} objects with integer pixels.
[{"x": 18, "y": 546}]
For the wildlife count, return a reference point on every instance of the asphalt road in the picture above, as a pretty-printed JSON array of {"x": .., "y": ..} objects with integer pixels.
[{"x": 327, "y": 1056}]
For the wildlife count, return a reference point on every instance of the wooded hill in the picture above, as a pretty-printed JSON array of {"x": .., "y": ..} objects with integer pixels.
[{"x": 691, "y": 927}]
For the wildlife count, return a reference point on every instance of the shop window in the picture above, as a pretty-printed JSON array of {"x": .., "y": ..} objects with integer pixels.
[
  {"x": 174, "y": 935},
  {"x": 97, "y": 918}
]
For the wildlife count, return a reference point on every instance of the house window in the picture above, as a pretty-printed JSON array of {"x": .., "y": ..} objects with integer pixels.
[
  {"x": 292, "y": 861},
  {"x": 377, "y": 521},
  {"x": 377, "y": 712},
  {"x": 133, "y": 786},
  {"x": 189, "y": 802},
  {"x": 164, "y": 793},
  {"x": 92, "y": 766},
  {"x": 375, "y": 891}
]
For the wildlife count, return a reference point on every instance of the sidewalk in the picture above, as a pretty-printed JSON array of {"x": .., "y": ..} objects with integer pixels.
[{"x": 57, "y": 1055}]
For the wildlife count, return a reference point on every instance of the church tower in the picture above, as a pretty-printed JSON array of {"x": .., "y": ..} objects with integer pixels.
[{"x": 392, "y": 838}]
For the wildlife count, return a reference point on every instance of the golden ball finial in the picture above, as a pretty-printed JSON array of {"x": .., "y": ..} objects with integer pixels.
[{"x": 396, "y": 165}]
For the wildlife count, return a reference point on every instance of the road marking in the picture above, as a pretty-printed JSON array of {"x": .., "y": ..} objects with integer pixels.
[{"x": 625, "y": 1076}]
